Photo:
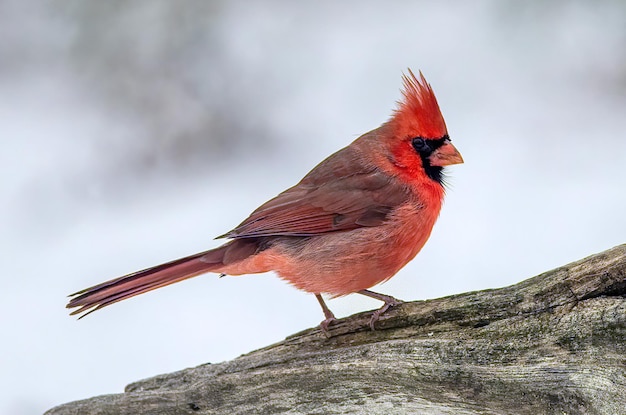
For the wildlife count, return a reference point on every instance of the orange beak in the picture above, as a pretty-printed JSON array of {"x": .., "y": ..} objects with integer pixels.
[{"x": 445, "y": 155}]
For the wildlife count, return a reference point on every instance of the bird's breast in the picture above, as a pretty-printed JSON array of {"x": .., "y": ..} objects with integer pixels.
[{"x": 340, "y": 263}]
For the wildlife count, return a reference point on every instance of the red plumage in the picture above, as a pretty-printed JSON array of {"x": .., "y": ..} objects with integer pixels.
[
  {"x": 419, "y": 110},
  {"x": 349, "y": 224}
]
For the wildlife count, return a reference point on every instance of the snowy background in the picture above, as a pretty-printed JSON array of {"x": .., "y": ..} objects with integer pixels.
[{"x": 133, "y": 133}]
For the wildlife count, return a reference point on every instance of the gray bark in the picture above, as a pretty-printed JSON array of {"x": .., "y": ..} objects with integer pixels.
[{"x": 553, "y": 344}]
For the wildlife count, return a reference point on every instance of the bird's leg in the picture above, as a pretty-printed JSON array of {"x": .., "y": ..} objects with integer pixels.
[
  {"x": 389, "y": 302},
  {"x": 330, "y": 317}
]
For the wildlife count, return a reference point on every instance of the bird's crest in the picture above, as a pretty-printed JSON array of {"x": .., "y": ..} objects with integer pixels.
[{"x": 418, "y": 113}]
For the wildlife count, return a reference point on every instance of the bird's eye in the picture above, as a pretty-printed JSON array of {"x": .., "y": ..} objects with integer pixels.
[{"x": 420, "y": 145}]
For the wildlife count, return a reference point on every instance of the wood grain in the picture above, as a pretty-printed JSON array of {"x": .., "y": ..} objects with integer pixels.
[{"x": 552, "y": 344}]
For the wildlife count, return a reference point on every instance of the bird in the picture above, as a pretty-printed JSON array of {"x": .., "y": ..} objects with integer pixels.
[{"x": 351, "y": 223}]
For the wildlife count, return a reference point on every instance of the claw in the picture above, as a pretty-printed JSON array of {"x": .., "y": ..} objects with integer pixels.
[
  {"x": 324, "y": 326},
  {"x": 389, "y": 302}
]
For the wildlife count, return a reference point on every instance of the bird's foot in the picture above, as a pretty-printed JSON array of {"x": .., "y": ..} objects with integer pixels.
[
  {"x": 376, "y": 314},
  {"x": 330, "y": 317},
  {"x": 389, "y": 302},
  {"x": 324, "y": 326}
]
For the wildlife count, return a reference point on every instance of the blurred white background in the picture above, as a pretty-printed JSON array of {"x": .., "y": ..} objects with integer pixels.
[{"x": 133, "y": 133}]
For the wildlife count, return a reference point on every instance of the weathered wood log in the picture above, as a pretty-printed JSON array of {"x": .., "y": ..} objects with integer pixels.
[{"x": 553, "y": 344}]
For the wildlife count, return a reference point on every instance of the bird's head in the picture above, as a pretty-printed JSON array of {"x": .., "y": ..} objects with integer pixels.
[{"x": 420, "y": 138}]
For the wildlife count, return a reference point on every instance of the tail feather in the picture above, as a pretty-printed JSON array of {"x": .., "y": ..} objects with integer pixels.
[{"x": 110, "y": 292}]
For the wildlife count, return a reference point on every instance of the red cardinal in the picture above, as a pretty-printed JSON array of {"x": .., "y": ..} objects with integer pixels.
[{"x": 351, "y": 223}]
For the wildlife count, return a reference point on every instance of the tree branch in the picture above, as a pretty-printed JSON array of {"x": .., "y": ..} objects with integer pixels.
[{"x": 555, "y": 343}]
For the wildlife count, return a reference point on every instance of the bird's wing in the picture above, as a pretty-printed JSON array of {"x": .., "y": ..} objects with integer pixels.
[{"x": 355, "y": 197}]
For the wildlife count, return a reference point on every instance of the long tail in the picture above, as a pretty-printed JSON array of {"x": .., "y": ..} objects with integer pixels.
[{"x": 107, "y": 293}]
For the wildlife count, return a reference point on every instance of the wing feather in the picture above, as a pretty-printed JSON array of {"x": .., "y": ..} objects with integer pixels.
[{"x": 349, "y": 197}]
